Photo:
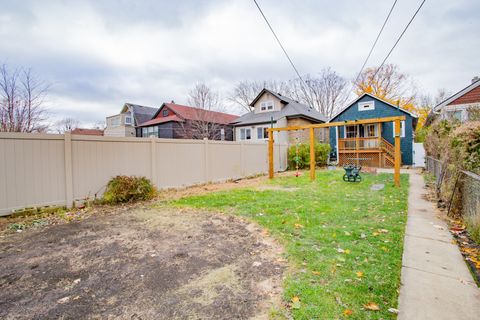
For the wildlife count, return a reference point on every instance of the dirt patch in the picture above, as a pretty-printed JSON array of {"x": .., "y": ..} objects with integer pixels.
[{"x": 142, "y": 263}]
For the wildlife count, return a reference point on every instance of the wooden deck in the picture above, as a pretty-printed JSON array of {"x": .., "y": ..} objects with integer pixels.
[{"x": 367, "y": 152}]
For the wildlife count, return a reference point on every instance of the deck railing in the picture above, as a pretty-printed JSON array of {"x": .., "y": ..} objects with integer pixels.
[{"x": 359, "y": 143}]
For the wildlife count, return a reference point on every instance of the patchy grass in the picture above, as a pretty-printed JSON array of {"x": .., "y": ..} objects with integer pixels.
[{"x": 343, "y": 241}]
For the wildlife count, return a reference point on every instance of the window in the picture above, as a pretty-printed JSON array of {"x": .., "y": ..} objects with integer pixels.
[
  {"x": 370, "y": 130},
  {"x": 350, "y": 131},
  {"x": 364, "y": 106},
  {"x": 262, "y": 133},
  {"x": 144, "y": 132},
  {"x": 266, "y": 105},
  {"x": 245, "y": 134},
  {"x": 115, "y": 121},
  {"x": 222, "y": 134},
  {"x": 165, "y": 112},
  {"x": 128, "y": 120},
  {"x": 402, "y": 129}
]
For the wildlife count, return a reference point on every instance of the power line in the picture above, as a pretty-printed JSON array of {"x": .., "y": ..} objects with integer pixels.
[
  {"x": 376, "y": 40},
  {"x": 398, "y": 40},
  {"x": 281, "y": 46}
]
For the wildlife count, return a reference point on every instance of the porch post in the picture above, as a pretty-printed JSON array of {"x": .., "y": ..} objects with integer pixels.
[
  {"x": 379, "y": 132},
  {"x": 270, "y": 154},
  {"x": 312, "y": 155},
  {"x": 398, "y": 156},
  {"x": 356, "y": 143}
]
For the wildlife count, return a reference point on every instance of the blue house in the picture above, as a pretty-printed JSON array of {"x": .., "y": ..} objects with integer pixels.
[{"x": 371, "y": 145}]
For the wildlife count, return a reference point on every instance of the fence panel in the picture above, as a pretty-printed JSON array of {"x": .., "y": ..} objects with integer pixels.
[
  {"x": 467, "y": 199},
  {"x": 51, "y": 169}
]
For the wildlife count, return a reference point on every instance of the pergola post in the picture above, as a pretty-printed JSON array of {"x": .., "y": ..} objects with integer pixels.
[
  {"x": 270, "y": 154},
  {"x": 312, "y": 155},
  {"x": 398, "y": 156}
]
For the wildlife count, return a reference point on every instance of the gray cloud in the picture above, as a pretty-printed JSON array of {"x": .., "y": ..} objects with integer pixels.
[{"x": 100, "y": 54}]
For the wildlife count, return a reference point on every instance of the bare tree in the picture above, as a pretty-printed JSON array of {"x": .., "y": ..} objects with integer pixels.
[
  {"x": 245, "y": 91},
  {"x": 203, "y": 97},
  {"x": 22, "y": 96},
  {"x": 326, "y": 92},
  {"x": 206, "y": 118},
  {"x": 66, "y": 124},
  {"x": 99, "y": 125}
]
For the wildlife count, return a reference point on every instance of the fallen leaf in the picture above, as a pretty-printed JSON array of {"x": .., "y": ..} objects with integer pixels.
[
  {"x": 372, "y": 306},
  {"x": 347, "y": 251},
  {"x": 316, "y": 273},
  {"x": 347, "y": 312},
  {"x": 295, "y": 302},
  {"x": 359, "y": 274},
  {"x": 298, "y": 226},
  {"x": 375, "y": 234}
]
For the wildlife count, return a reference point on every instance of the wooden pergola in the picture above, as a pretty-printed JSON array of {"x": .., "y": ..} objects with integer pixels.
[{"x": 312, "y": 127}]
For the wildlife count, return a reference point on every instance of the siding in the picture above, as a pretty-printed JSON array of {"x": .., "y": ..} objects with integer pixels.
[
  {"x": 321, "y": 134},
  {"x": 382, "y": 110},
  {"x": 469, "y": 97}
]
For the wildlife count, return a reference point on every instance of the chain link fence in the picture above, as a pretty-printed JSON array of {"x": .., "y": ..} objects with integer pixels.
[{"x": 459, "y": 190}]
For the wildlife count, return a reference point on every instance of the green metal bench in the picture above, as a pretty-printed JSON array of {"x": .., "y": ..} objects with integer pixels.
[{"x": 352, "y": 173}]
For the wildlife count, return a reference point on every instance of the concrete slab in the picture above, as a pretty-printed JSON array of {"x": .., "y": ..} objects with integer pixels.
[
  {"x": 436, "y": 282},
  {"x": 429, "y": 296}
]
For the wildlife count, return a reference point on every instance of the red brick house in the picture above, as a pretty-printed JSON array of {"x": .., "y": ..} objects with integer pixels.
[{"x": 177, "y": 121}]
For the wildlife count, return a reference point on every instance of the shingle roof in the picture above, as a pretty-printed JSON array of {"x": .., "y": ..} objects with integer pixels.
[
  {"x": 191, "y": 113},
  {"x": 457, "y": 95},
  {"x": 162, "y": 120},
  {"x": 88, "y": 132},
  {"x": 183, "y": 113},
  {"x": 141, "y": 113},
  {"x": 291, "y": 109}
]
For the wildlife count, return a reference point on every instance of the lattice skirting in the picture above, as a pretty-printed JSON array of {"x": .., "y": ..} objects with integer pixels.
[{"x": 365, "y": 159}]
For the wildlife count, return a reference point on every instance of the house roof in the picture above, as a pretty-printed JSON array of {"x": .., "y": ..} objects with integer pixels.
[
  {"x": 140, "y": 113},
  {"x": 291, "y": 109},
  {"x": 88, "y": 132},
  {"x": 162, "y": 120},
  {"x": 459, "y": 94},
  {"x": 183, "y": 113},
  {"x": 374, "y": 97}
]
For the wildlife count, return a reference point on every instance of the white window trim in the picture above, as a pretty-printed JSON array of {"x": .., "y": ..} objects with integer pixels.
[
  {"x": 245, "y": 133},
  {"x": 266, "y": 106},
  {"x": 375, "y": 130},
  {"x": 366, "y": 106},
  {"x": 264, "y": 137},
  {"x": 402, "y": 129}
]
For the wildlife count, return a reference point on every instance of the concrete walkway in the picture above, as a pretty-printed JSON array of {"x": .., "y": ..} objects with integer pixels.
[{"x": 436, "y": 282}]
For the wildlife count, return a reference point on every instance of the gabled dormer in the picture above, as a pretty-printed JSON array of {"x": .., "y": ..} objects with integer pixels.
[{"x": 268, "y": 101}]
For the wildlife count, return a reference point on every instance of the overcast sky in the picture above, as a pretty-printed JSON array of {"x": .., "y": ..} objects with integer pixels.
[{"x": 99, "y": 54}]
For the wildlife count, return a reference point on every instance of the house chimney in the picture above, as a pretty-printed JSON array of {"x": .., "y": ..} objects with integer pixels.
[
  {"x": 475, "y": 79},
  {"x": 173, "y": 101}
]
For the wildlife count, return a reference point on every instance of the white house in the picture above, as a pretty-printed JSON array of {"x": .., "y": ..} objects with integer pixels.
[{"x": 272, "y": 109}]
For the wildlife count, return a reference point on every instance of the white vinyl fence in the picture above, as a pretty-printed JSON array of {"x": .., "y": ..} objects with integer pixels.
[{"x": 51, "y": 169}]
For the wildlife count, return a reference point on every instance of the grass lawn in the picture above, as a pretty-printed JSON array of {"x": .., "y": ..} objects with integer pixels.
[{"x": 343, "y": 240}]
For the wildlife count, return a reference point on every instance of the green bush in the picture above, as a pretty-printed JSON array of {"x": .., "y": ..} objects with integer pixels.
[
  {"x": 321, "y": 155},
  {"x": 123, "y": 189}
]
